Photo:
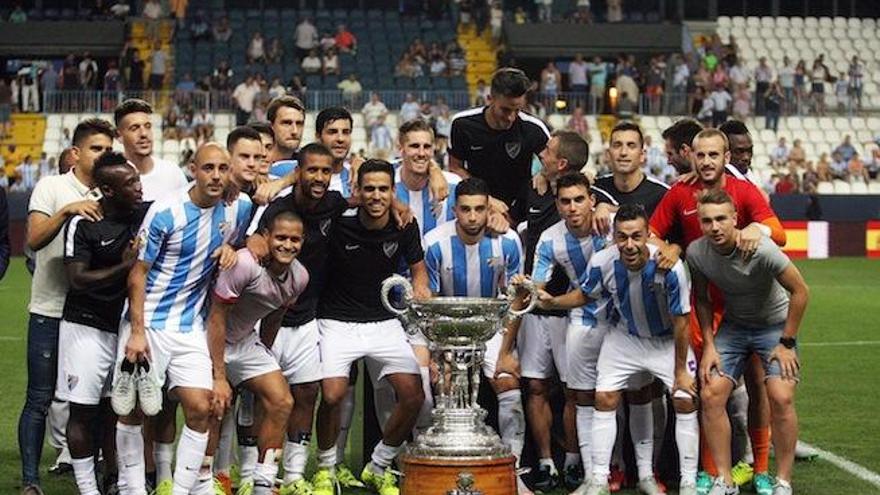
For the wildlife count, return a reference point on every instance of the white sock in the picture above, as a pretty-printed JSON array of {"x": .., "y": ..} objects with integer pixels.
[
  {"x": 738, "y": 411},
  {"x": 584, "y": 419},
  {"x": 264, "y": 477},
  {"x": 84, "y": 472},
  {"x": 512, "y": 421},
  {"x": 687, "y": 438},
  {"x": 423, "y": 422},
  {"x": 641, "y": 428},
  {"x": 163, "y": 455},
  {"x": 346, "y": 414},
  {"x": 602, "y": 440},
  {"x": 327, "y": 458},
  {"x": 571, "y": 459},
  {"x": 223, "y": 455},
  {"x": 296, "y": 455},
  {"x": 205, "y": 483},
  {"x": 383, "y": 456},
  {"x": 130, "y": 459},
  {"x": 248, "y": 455},
  {"x": 659, "y": 411},
  {"x": 190, "y": 454},
  {"x": 546, "y": 461}
]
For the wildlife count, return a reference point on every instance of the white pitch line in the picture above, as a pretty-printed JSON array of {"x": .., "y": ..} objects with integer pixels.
[
  {"x": 847, "y": 465},
  {"x": 844, "y": 343},
  {"x": 8, "y": 338}
]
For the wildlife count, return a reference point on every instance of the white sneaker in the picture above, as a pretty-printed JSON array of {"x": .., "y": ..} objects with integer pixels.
[
  {"x": 521, "y": 488},
  {"x": 721, "y": 488},
  {"x": 148, "y": 390},
  {"x": 687, "y": 489},
  {"x": 123, "y": 397},
  {"x": 596, "y": 488},
  {"x": 779, "y": 489},
  {"x": 649, "y": 486}
]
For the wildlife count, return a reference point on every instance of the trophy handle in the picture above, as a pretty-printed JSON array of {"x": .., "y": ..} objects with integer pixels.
[
  {"x": 533, "y": 298},
  {"x": 390, "y": 283}
]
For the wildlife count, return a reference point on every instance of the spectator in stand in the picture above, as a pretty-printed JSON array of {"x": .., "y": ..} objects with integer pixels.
[
  {"x": 245, "y": 95},
  {"x": 374, "y": 110},
  {"x": 818, "y": 75},
  {"x": 409, "y": 109},
  {"x": 721, "y": 100},
  {"x": 305, "y": 38},
  {"x": 112, "y": 78},
  {"x": 551, "y": 79},
  {"x": 221, "y": 79},
  {"x": 222, "y": 31},
  {"x": 276, "y": 89},
  {"x": 5, "y": 109},
  {"x": 381, "y": 140},
  {"x": 797, "y": 157},
  {"x": 773, "y": 101},
  {"x": 157, "y": 67},
  {"x": 482, "y": 92},
  {"x": 656, "y": 162},
  {"x": 443, "y": 125},
  {"x": 841, "y": 92},
  {"x": 27, "y": 173},
  {"x": 256, "y": 52},
  {"x": 88, "y": 72},
  {"x": 169, "y": 124},
  {"x": 787, "y": 184},
  {"x": 457, "y": 62},
  {"x": 405, "y": 67},
  {"x": 311, "y": 63},
  {"x": 345, "y": 40},
  {"x": 742, "y": 104},
  {"x": 545, "y": 10},
  {"x": 787, "y": 83},
  {"x": 46, "y": 166},
  {"x": 823, "y": 168},
  {"x": 185, "y": 86},
  {"x": 351, "y": 89},
  {"x": 29, "y": 88},
  {"x": 519, "y": 16},
  {"x": 153, "y": 14},
  {"x": 327, "y": 41},
  {"x": 800, "y": 84},
  {"x": 438, "y": 66},
  {"x": 655, "y": 81},
  {"x": 779, "y": 154},
  {"x": 330, "y": 63},
  {"x": 578, "y": 123},
  {"x": 275, "y": 54},
  {"x": 203, "y": 126},
  {"x": 857, "y": 170},
  {"x": 810, "y": 180},
  {"x": 496, "y": 20},
  {"x": 120, "y": 9},
  {"x": 199, "y": 29},
  {"x": 49, "y": 78},
  {"x": 135, "y": 73},
  {"x": 297, "y": 88},
  {"x": 856, "y": 73},
  {"x": 627, "y": 84},
  {"x": 615, "y": 11},
  {"x": 846, "y": 149},
  {"x": 763, "y": 78},
  {"x": 839, "y": 166},
  {"x": 426, "y": 114},
  {"x": 18, "y": 15},
  {"x": 598, "y": 73}
]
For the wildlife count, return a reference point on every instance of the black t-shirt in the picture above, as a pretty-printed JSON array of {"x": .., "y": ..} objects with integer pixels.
[
  {"x": 648, "y": 193},
  {"x": 541, "y": 215},
  {"x": 502, "y": 158},
  {"x": 318, "y": 223},
  {"x": 359, "y": 260},
  {"x": 99, "y": 245}
]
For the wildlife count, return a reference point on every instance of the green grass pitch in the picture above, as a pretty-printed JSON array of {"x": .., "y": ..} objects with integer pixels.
[{"x": 837, "y": 402}]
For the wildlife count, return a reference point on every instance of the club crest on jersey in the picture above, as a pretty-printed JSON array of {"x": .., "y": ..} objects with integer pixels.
[
  {"x": 513, "y": 148},
  {"x": 142, "y": 238},
  {"x": 72, "y": 380},
  {"x": 389, "y": 248},
  {"x": 324, "y": 227},
  {"x": 495, "y": 262},
  {"x": 224, "y": 227}
]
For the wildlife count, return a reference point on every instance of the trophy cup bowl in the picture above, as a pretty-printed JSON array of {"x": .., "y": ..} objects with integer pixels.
[{"x": 458, "y": 445}]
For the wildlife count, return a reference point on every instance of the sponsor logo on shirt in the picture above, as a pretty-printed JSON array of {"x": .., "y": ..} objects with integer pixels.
[
  {"x": 324, "y": 227},
  {"x": 389, "y": 248},
  {"x": 106, "y": 243}
]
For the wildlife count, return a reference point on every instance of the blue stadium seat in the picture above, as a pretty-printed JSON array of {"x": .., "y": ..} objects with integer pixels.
[{"x": 313, "y": 81}]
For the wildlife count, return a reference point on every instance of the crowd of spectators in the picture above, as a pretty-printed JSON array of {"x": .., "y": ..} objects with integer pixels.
[
  {"x": 436, "y": 60},
  {"x": 20, "y": 173},
  {"x": 792, "y": 172}
]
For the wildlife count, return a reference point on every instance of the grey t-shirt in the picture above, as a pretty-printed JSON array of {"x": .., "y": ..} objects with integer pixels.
[{"x": 752, "y": 296}]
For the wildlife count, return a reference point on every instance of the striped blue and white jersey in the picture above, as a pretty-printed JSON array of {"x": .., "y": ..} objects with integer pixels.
[
  {"x": 338, "y": 182},
  {"x": 473, "y": 270},
  {"x": 422, "y": 206},
  {"x": 558, "y": 246},
  {"x": 646, "y": 298},
  {"x": 177, "y": 239}
]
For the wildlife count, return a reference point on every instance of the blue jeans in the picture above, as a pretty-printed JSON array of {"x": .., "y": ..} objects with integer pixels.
[
  {"x": 735, "y": 343},
  {"x": 42, "y": 367}
]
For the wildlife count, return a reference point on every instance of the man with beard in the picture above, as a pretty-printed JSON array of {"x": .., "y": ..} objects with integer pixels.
[{"x": 678, "y": 140}]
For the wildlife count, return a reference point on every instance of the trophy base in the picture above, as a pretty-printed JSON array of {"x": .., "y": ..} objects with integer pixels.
[
  {"x": 445, "y": 476},
  {"x": 459, "y": 434}
]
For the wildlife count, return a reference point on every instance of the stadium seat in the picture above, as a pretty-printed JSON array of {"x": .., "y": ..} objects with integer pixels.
[
  {"x": 858, "y": 187},
  {"x": 825, "y": 188},
  {"x": 841, "y": 187},
  {"x": 874, "y": 187}
]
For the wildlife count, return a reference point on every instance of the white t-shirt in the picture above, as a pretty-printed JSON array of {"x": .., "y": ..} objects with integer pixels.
[
  {"x": 244, "y": 95},
  {"x": 786, "y": 77},
  {"x": 49, "y": 285},
  {"x": 372, "y": 111},
  {"x": 720, "y": 100},
  {"x": 577, "y": 73},
  {"x": 165, "y": 178}
]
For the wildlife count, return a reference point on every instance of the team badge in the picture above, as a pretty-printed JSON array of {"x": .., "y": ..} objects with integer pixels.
[
  {"x": 495, "y": 261},
  {"x": 324, "y": 227},
  {"x": 513, "y": 148},
  {"x": 389, "y": 248},
  {"x": 224, "y": 228},
  {"x": 72, "y": 380},
  {"x": 142, "y": 238}
]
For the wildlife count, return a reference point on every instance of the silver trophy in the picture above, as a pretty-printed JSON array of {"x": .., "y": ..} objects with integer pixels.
[{"x": 457, "y": 328}]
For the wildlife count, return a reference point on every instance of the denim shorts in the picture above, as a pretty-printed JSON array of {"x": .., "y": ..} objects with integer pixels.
[{"x": 735, "y": 343}]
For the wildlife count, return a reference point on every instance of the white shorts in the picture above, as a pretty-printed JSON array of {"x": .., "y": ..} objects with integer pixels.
[
  {"x": 623, "y": 356},
  {"x": 582, "y": 346},
  {"x": 417, "y": 338},
  {"x": 344, "y": 342},
  {"x": 298, "y": 353},
  {"x": 541, "y": 342},
  {"x": 85, "y": 363},
  {"x": 248, "y": 358},
  {"x": 490, "y": 358},
  {"x": 179, "y": 359}
]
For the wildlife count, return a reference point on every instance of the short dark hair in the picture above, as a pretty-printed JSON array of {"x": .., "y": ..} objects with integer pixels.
[
  {"x": 283, "y": 101},
  {"x": 329, "y": 115},
  {"x": 632, "y": 211},
  {"x": 414, "y": 125},
  {"x": 263, "y": 128},
  {"x": 242, "y": 132},
  {"x": 472, "y": 186},
  {"x": 89, "y": 127},
  {"x": 107, "y": 160},
  {"x": 130, "y": 105},
  {"x": 510, "y": 82},
  {"x": 317, "y": 149},
  {"x": 715, "y": 197},
  {"x": 682, "y": 132},
  {"x": 375, "y": 165},
  {"x": 734, "y": 127},
  {"x": 571, "y": 179},
  {"x": 573, "y": 148},
  {"x": 288, "y": 215},
  {"x": 628, "y": 126}
]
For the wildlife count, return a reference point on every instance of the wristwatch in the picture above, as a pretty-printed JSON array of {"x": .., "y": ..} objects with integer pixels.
[{"x": 788, "y": 342}]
